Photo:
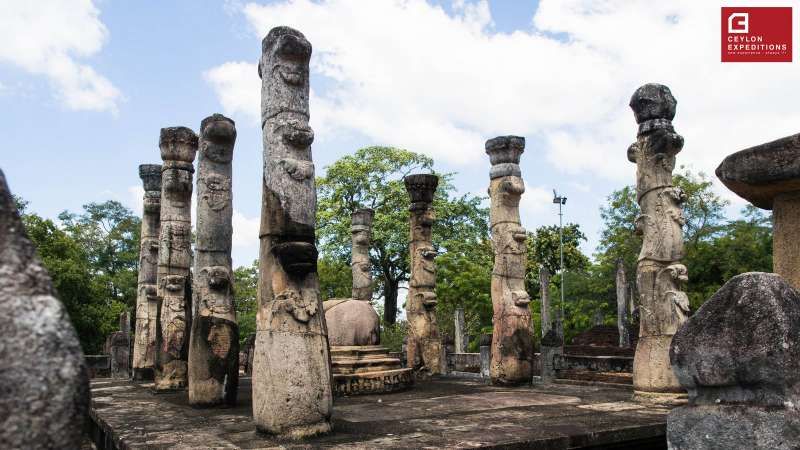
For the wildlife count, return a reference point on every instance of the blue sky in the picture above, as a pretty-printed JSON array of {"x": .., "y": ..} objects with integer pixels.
[{"x": 86, "y": 86}]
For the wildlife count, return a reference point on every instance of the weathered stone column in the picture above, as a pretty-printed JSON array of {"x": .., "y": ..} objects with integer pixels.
[
  {"x": 739, "y": 359},
  {"x": 460, "y": 331},
  {"x": 768, "y": 176},
  {"x": 45, "y": 387},
  {"x": 353, "y": 321},
  {"x": 291, "y": 366},
  {"x": 424, "y": 343},
  {"x": 544, "y": 289},
  {"x": 178, "y": 148},
  {"x": 512, "y": 339},
  {"x": 214, "y": 340},
  {"x": 622, "y": 310},
  {"x": 663, "y": 305},
  {"x": 118, "y": 348},
  {"x": 144, "y": 344}
]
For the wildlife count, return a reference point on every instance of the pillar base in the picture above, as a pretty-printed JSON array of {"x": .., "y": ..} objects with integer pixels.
[
  {"x": 301, "y": 431},
  {"x": 660, "y": 398}
]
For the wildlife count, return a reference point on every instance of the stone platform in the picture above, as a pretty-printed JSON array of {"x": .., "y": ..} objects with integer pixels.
[
  {"x": 367, "y": 369},
  {"x": 440, "y": 413}
]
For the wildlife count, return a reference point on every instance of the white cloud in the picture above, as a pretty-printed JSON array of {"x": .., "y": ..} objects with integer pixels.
[
  {"x": 245, "y": 239},
  {"x": 136, "y": 201},
  {"x": 48, "y": 37},
  {"x": 408, "y": 74}
]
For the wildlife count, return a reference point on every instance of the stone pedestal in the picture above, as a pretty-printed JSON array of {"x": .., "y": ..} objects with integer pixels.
[
  {"x": 659, "y": 274},
  {"x": 512, "y": 338},
  {"x": 768, "y": 176},
  {"x": 214, "y": 340},
  {"x": 739, "y": 359},
  {"x": 367, "y": 369},
  {"x": 145, "y": 339},
  {"x": 292, "y": 395},
  {"x": 43, "y": 380},
  {"x": 178, "y": 148},
  {"x": 425, "y": 351}
]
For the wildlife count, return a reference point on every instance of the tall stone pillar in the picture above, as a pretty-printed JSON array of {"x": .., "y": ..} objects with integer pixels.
[
  {"x": 178, "y": 149},
  {"x": 664, "y": 307},
  {"x": 460, "y": 331},
  {"x": 424, "y": 349},
  {"x": 544, "y": 288},
  {"x": 144, "y": 344},
  {"x": 214, "y": 340},
  {"x": 622, "y": 310},
  {"x": 512, "y": 339},
  {"x": 361, "y": 229},
  {"x": 291, "y": 366},
  {"x": 768, "y": 176}
]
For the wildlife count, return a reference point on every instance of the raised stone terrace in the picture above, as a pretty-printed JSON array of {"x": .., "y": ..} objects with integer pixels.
[{"x": 440, "y": 413}]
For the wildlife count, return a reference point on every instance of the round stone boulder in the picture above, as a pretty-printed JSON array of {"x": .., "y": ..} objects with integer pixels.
[{"x": 351, "y": 322}]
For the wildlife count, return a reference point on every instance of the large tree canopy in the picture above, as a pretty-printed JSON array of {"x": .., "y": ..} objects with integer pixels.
[{"x": 373, "y": 178}]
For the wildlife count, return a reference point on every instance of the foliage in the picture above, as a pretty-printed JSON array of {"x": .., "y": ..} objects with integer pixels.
[
  {"x": 335, "y": 278},
  {"x": 373, "y": 178},
  {"x": 392, "y": 335},
  {"x": 245, "y": 297}
]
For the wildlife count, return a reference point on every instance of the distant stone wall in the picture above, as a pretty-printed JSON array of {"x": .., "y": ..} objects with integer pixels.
[
  {"x": 464, "y": 362},
  {"x": 98, "y": 366}
]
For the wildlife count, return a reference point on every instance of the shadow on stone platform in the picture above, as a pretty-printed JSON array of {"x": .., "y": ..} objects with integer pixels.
[{"x": 442, "y": 413}]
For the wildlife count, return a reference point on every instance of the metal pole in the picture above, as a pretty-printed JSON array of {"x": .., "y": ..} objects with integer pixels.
[{"x": 561, "y": 245}]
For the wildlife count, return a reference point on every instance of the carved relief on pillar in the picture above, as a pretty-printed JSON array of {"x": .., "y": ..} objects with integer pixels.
[
  {"x": 659, "y": 276},
  {"x": 361, "y": 229}
]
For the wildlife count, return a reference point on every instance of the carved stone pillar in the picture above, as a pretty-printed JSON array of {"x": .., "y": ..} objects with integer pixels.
[
  {"x": 361, "y": 228},
  {"x": 663, "y": 306},
  {"x": 461, "y": 337},
  {"x": 291, "y": 366},
  {"x": 512, "y": 339},
  {"x": 214, "y": 340},
  {"x": 424, "y": 349},
  {"x": 178, "y": 149},
  {"x": 144, "y": 344}
]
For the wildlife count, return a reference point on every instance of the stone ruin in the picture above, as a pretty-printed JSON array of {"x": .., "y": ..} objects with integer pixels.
[
  {"x": 659, "y": 275},
  {"x": 118, "y": 348},
  {"x": 146, "y": 313},
  {"x": 768, "y": 176},
  {"x": 213, "y": 364},
  {"x": 178, "y": 147},
  {"x": 512, "y": 338},
  {"x": 359, "y": 364},
  {"x": 45, "y": 387},
  {"x": 424, "y": 352},
  {"x": 292, "y": 393},
  {"x": 738, "y": 357}
]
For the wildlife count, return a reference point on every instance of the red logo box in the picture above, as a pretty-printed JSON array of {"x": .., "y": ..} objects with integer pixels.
[{"x": 757, "y": 34}]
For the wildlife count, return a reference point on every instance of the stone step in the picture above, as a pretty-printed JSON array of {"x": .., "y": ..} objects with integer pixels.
[{"x": 358, "y": 351}]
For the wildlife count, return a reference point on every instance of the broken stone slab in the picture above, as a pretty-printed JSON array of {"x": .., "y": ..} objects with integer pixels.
[
  {"x": 739, "y": 359},
  {"x": 768, "y": 176},
  {"x": 43, "y": 380}
]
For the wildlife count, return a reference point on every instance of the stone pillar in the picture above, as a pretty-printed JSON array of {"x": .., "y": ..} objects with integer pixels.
[
  {"x": 739, "y": 359},
  {"x": 768, "y": 176},
  {"x": 552, "y": 349},
  {"x": 486, "y": 355},
  {"x": 460, "y": 331},
  {"x": 622, "y": 310},
  {"x": 664, "y": 307},
  {"x": 353, "y": 321},
  {"x": 361, "y": 229},
  {"x": 144, "y": 345},
  {"x": 44, "y": 383},
  {"x": 178, "y": 148},
  {"x": 512, "y": 339},
  {"x": 544, "y": 289},
  {"x": 117, "y": 347},
  {"x": 214, "y": 340},
  {"x": 424, "y": 344},
  {"x": 291, "y": 366}
]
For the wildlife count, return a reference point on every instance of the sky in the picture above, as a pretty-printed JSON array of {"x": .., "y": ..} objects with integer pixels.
[{"x": 85, "y": 87}]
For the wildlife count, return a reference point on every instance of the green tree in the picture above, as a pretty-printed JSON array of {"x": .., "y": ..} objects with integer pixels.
[
  {"x": 373, "y": 178},
  {"x": 335, "y": 278},
  {"x": 245, "y": 289},
  {"x": 109, "y": 233}
]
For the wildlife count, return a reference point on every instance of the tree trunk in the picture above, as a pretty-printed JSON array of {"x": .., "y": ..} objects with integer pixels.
[{"x": 390, "y": 301}]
